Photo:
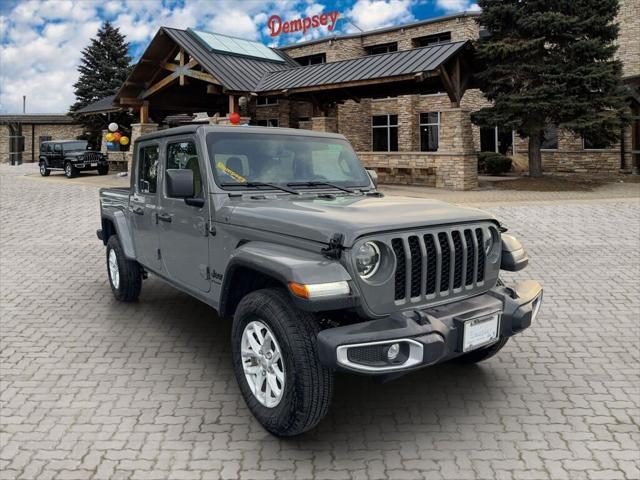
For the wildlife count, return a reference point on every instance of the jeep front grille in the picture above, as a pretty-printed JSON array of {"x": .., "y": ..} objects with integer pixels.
[
  {"x": 91, "y": 157},
  {"x": 439, "y": 264}
]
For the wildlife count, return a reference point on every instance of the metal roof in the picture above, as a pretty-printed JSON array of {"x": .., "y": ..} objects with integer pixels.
[
  {"x": 373, "y": 67},
  {"x": 472, "y": 14},
  {"x": 103, "y": 105},
  {"x": 38, "y": 118},
  {"x": 236, "y": 73}
]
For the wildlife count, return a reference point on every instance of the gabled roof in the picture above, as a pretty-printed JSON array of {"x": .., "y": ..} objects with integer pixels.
[
  {"x": 373, "y": 67},
  {"x": 236, "y": 73},
  {"x": 100, "y": 106}
]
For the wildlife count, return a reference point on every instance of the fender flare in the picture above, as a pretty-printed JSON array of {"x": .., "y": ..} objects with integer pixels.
[
  {"x": 121, "y": 226},
  {"x": 283, "y": 263}
]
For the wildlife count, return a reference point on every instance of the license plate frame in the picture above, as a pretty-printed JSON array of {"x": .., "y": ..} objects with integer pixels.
[{"x": 480, "y": 331}]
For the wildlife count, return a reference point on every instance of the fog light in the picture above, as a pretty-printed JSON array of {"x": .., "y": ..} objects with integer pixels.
[
  {"x": 393, "y": 351},
  {"x": 535, "y": 307}
]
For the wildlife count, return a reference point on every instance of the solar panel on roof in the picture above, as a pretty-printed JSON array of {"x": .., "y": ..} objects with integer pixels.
[{"x": 235, "y": 46}]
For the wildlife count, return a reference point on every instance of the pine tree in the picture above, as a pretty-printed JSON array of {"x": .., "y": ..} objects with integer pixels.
[
  {"x": 550, "y": 62},
  {"x": 104, "y": 66}
]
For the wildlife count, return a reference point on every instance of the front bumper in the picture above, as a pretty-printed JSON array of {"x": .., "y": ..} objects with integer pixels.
[{"x": 426, "y": 337}]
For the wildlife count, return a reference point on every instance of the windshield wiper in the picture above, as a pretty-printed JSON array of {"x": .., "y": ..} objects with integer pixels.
[
  {"x": 319, "y": 184},
  {"x": 260, "y": 184}
]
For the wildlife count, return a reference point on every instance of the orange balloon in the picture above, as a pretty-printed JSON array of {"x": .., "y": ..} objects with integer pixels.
[
  {"x": 234, "y": 118},
  {"x": 117, "y": 136}
]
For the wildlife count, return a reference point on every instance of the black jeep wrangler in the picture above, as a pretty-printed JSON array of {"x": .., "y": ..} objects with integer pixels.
[{"x": 72, "y": 156}]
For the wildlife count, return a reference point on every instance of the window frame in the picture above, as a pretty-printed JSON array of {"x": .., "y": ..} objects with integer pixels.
[
  {"x": 388, "y": 126},
  {"x": 173, "y": 141},
  {"x": 142, "y": 146},
  {"x": 595, "y": 149},
  {"x": 437, "y": 125},
  {"x": 321, "y": 55},
  {"x": 551, "y": 149},
  {"x": 418, "y": 40},
  {"x": 268, "y": 101},
  {"x": 57, "y": 148},
  {"x": 368, "y": 49}
]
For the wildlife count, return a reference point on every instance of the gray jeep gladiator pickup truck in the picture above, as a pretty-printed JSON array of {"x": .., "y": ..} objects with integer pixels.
[{"x": 285, "y": 231}]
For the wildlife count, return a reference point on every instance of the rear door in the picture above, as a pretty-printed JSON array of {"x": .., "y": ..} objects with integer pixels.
[
  {"x": 55, "y": 160},
  {"x": 143, "y": 205},
  {"x": 184, "y": 239}
]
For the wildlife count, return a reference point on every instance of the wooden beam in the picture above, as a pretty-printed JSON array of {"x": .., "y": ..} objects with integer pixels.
[
  {"x": 205, "y": 77},
  {"x": 449, "y": 87},
  {"x": 158, "y": 86},
  {"x": 144, "y": 112},
  {"x": 130, "y": 101},
  {"x": 181, "y": 62},
  {"x": 233, "y": 104}
]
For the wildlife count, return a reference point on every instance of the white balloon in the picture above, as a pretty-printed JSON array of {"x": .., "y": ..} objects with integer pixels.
[{"x": 113, "y": 126}]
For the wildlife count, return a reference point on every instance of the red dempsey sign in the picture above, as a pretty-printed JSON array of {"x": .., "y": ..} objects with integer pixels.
[{"x": 277, "y": 25}]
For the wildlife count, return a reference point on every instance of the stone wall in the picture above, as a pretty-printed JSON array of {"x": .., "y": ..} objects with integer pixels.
[
  {"x": 461, "y": 28},
  {"x": 31, "y": 135},
  {"x": 629, "y": 37},
  {"x": 431, "y": 169}
]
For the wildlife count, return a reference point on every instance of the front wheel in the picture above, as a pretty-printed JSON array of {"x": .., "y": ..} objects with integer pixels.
[
  {"x": 44, "y": 171},
  {"x": 69, "y": 170},
  {"x": 125, "y": 276},
  {"x": 275, "y": 359},
  {"x": 103, "y": 170}
]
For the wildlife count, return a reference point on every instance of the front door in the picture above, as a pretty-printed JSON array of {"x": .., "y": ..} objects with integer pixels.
[
  {"x": 56, "y": 158},
  {"x": 143, "y": 205},
  {"x": 184, "y": 244}
]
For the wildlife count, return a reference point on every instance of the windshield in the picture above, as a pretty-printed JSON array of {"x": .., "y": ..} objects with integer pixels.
[
  {"x": 71, "y": 146},
  {"x": 241, "y": 159}
]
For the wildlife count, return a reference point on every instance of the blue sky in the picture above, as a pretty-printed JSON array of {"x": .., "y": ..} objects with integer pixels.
[{"x": 41, "y": 40}]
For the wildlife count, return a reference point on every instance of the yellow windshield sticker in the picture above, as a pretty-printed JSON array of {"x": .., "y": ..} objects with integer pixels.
[{"x": 235, "y": 175}]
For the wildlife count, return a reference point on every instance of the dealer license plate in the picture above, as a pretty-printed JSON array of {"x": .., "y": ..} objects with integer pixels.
[{"x": 480, "y": 331}]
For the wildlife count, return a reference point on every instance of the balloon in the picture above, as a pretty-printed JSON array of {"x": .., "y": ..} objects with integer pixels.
[
  {"x": 113, "y": 126},
  {"x": 109, "y": 137},
  {"x": 117, "y": 136},
  {"x": 124, "y": 140},
  {"x": 234, "y": 118}
]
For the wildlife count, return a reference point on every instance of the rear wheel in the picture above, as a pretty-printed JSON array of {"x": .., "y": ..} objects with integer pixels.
[
  {"x": 125, "y": 276},
  {"x": 275, "y": 359},
  {"x": 69, "y": 170},
  {"x": 44, "y": 171}
]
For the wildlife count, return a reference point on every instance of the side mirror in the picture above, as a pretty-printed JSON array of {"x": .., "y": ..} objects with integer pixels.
[
  {"x": 374, "y": 177},
  {"x": 180, "y": 183}
]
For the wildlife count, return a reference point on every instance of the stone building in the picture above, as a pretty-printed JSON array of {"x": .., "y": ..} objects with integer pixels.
[
  {"x": 402, "y": 96},
  {"x": 35, "y": 128}
]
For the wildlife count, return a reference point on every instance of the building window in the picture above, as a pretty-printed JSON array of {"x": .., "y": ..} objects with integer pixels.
[
  {"x": 312, "y": 59},
  {"x": 494, "y": 139},
  {"x": 550, "y": 140},
  {"x": 429, "y": 131},
  {"x": 385, "y": 133},
  {"x": 268, "y": 100},
  {"x": 382, "y": 48},
  {"x": 594, "y": 144},
  {"x": 435, "y": 39},
  {"x": 271, "y": 122}
]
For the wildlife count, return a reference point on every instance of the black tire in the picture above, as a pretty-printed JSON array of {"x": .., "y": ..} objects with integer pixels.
[
  {"x": 308, "y": 388},
  {"x": 103, "y": 170},
  {"x": 482, "y": 353},
  {"x": 44, "y": 171},
  {"x": 129, "y": 273},
  {"x": 69, "y": 170}
]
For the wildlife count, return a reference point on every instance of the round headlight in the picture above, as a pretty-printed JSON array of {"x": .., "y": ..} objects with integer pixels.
[{"x": 367, "y": 259}]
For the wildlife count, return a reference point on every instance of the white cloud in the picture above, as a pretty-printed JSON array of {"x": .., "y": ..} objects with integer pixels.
[
  {"x": 453, "y": 6},
  {"x": 371, "y": 14}
]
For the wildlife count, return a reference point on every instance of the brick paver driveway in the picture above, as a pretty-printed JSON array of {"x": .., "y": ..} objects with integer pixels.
[{"x": 92, "y": 388}]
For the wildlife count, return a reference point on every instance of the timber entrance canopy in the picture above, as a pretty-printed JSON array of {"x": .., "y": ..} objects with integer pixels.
[{"x": 194, "y": 71}]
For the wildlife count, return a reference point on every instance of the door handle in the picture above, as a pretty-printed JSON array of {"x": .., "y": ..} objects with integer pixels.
[
  {"x": 164, "y": 217},
  {"x": 138, "y": 210}
]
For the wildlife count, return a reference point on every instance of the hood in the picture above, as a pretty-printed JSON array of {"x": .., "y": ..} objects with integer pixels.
[
  {"x": 319, "y": 219},
  {"x": 78, "y": 152}
]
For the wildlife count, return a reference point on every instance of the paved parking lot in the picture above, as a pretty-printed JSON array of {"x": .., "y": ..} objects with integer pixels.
[{"x": 91, "y": 388}]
